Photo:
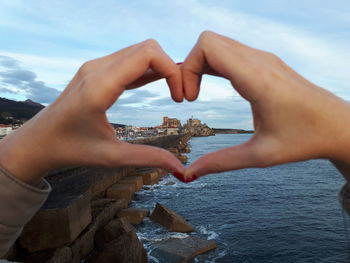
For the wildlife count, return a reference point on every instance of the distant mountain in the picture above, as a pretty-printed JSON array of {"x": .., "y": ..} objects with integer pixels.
[
  {"x": 18, "y": 111},
  {"x": 117, "y": 125},
  {"x": 32, "y": 103}
]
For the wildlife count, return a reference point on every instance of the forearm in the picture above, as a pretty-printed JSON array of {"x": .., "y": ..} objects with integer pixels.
[{"x": 341, "y": 153}]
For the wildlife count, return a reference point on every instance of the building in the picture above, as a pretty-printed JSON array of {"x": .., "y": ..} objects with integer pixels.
[
  {"x": 5, "y": 130},
  {"x": 193, "y": 122},
  {"x": 171, "y": 122},
  {"x": 172, "y": 131}
]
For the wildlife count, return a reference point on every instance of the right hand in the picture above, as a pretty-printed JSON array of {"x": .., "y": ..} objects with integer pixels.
[{"x": 294, "y": 120}]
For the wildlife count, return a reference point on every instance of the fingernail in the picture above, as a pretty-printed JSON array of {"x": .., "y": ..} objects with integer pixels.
[
  {"x": 179, "y": 176},
  {"x": 192, "y": 178},
  {"x": 179, "y": 63}
]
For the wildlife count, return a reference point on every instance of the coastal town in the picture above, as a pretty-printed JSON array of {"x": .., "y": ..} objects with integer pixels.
[
  {"x": 13, "y": 114},
  {"x": 170, "y": 126}
]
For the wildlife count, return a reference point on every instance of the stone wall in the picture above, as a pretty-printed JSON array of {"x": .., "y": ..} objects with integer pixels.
[{"x": 81, "y": 218}]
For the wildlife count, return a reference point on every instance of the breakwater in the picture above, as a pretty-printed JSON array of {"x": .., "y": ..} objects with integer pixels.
[
  {"x": 81, "y": 218},
  {"x": 231, "y": 131}
]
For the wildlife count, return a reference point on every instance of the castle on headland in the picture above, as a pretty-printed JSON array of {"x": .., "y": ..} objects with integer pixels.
[{"x": 195, "y": 128}]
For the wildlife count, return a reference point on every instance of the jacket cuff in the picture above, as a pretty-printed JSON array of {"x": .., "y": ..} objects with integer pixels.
[{"x": 18, "y": 204}]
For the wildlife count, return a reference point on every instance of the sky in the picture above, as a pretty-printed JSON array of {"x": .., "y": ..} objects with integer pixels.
[{"x": 43, "y": 43}]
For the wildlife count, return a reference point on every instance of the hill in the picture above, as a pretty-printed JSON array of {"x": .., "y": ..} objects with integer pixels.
[
  {"x": 17, "y": 112},
  {"x": 12, "y": 112}
]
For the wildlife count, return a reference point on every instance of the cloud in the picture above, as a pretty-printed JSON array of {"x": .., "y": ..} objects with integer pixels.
[
  {"x": 135, "y": 97},
  {"x": 53, "y": 40},
  {"x": 24, "y": 82}
]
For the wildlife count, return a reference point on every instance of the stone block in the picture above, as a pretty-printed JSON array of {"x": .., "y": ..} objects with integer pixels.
[
  {"x": 104, "y": 210},
  {"x": 149, "y": 175},
  {"x": 176, "y": 250},
  {"x": 119, "y": 191},
  {"x": 84, "y": 244},
  {"x": 183, "y": 158},
  {"x": 54, "y": 228},
  {"x": 134, "y": 215},
  {"x": 170, "y": 220},
  {"x": 99, "y": 187},
  {"x": 118, "y": 242},
  {"x": 60, "y": 255},
  {"x": 136, "y": 180},
  {"x": 161, "y": 172}
]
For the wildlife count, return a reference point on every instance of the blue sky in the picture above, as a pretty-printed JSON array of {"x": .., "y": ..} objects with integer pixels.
[{"x": 43, "y": 43}]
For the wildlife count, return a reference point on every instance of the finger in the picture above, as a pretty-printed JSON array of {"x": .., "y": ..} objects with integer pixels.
[
  {"x": 126, "y": 154},
  {"x": 133, "y": 64},
  {"x": 148, "y": 77},
  {"x": 232, "y": 158},
  {"x": 220, "y": 56}
]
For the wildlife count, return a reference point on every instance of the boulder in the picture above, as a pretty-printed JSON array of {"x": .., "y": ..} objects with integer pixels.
[
  {"x": 134, "y": 215},
  {"x": 136, "y": 180},
  {"x": 118, "y": 191},
  {"x": 54, "y": 228},
  {"x": 176, "y": 250},
  {"x": 169, "y": 219},
  {"x": 118, "y": 242}
]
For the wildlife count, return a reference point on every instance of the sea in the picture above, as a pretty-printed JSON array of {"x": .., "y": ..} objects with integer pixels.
[{"x": 285, "y": 213}]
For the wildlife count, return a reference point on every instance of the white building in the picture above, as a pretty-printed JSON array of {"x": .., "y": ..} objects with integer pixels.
[{"x": 5, "y": 130}]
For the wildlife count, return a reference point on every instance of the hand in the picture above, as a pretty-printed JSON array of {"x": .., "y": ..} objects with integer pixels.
[
  {"x": 74, "y": 130},
  {"x": 294, "y": 120}
]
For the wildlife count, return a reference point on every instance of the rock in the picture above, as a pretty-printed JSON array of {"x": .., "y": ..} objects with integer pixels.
[
  {"x": 134, "y": 215},
  {"x": 176, "y": 250},
  {"x": 169, "y": 219},
  {"x": 118, "y": 242},
  {"x": 170, "y": 183},
  {"x": 53, "y": 228},
  {"x": 119, "y": 191},
  {"x": 136, "y": 180},
  {"x": 149, "y": 175}
]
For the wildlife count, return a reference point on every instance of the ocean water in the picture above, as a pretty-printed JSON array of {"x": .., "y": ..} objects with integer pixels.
[{"x": 287, "y": 213}]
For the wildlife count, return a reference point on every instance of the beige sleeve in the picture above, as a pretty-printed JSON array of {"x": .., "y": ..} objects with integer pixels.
[{"x": 18, "y": 204}]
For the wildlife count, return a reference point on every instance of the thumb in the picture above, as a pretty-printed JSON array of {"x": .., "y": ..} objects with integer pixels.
[
  {"x": 232, "y": 158},
  {"x": 126, "y": 154}
]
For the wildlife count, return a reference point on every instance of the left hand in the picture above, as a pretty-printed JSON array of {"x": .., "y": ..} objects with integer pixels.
[{"x": 74, "y": 130}]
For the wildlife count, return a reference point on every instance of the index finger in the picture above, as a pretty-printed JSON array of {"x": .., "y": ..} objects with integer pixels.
[
  {"x": 113, "y": 76},
  {"x": 215, "y": 55}
]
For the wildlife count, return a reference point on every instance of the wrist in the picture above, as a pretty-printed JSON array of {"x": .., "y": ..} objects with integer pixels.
[{"x": 22, "y": 157}]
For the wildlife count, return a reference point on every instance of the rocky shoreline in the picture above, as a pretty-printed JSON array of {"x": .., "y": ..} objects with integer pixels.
[{"x": 87, "y": 219}]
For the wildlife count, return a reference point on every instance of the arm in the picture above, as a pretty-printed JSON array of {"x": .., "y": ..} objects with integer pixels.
[
  {"x": 74, "y": 130},
  {"x": 294, "y": 119}
]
